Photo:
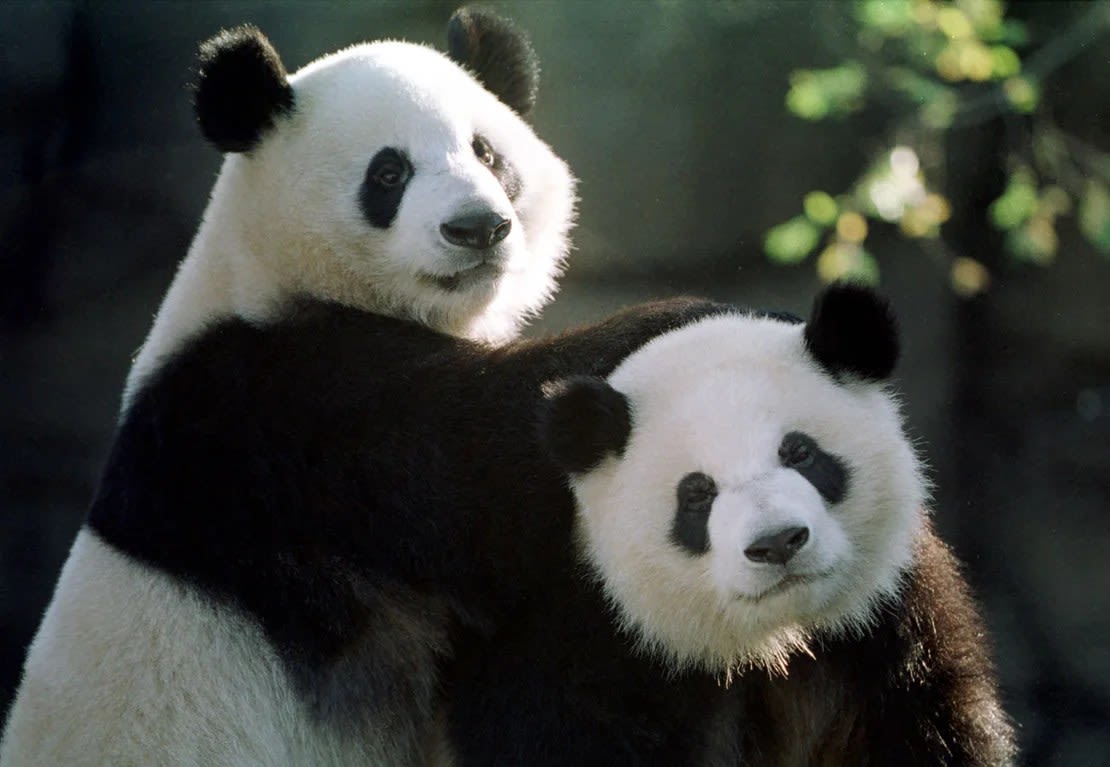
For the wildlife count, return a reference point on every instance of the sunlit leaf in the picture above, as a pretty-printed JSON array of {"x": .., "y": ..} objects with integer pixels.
[
  {"x": 985, "y": 15},
  {"x": 976, "y": 61},
  {"x": 891, "y": 17},
  {"x": 792, "y": 241},
  {"x": 817, "y": 93},
  {"x": 847, "y": 261},
  {"x": 1004, "y": 62},
  {"x": 1022, "y": 93},
  {"x": 954, "y": 23},
  {"x": 820, "y": 208},
  {"x": 924, "y": 220},
  {"x": 1094, "y": 215},
  {"x": 948, "y": 64},
  {"x": 806, "y": 99},
  {"x": 1054, "y": 202},
  {"x": 1016, "y": 204},
  {"x": 851, "y": 227},
  {"x": 1035, "y": 241},
  {"x": 968, "y": 277}
]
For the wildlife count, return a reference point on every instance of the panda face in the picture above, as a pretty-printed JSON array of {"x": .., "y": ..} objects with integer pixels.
[
  {"x": 759, "y": 497},
  {"x": 399, "y": 184}
]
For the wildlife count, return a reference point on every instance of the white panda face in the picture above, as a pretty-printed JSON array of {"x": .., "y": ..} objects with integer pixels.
[
  {"x": 757, "y": 499},
  {"x": 399, "y": 184}
]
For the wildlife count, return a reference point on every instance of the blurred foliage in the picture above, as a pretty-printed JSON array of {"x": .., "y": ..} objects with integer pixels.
[{"x": 945, "y": 64}]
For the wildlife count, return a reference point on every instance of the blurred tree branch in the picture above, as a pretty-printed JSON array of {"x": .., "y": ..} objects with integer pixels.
[{"x": 941, "y": 66}]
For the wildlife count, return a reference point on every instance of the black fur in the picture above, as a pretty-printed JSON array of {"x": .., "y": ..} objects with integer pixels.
[
  {"x": 582, "y": 420},
  {"x": 373, "y": 495},
  {"x": 504, "y": 171},
  {"x": 498, "y": 54},
  {"x": 852, "y": 330},
  {"x": 694, "y": 498},
  {"x": 355, "y": 483},
  {"x": 560, "y": 686},
  {"x": 387, "y": 176},
  {"x": 918, "y": 691},
  {"x": 826, "y": 472},
  {"x": 241, "y": 89}
]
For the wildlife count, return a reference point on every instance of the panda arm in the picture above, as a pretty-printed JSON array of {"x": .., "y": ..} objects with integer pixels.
[
  {"x": 289, "y": 468},
  {"x": 598, "y": 348},
  {"x": 919, "y": 690},
  {"x": 940, "y": 702}
]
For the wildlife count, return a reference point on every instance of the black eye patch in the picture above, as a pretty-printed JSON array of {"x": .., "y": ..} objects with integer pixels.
[
  {"x": 501, "y": 169},
  {"x": 695, "y": 494},
  {"x": 824, "y": 471},
  {"x": 380, "y": 195}
]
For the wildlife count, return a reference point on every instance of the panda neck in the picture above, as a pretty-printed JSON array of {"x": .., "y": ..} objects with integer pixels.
[{"x": 213, "y": 282}]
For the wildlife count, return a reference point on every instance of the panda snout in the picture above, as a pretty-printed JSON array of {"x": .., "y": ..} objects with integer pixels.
[
  {"x": 778, "y": 547},
  {"x": 476, "y": 230}
]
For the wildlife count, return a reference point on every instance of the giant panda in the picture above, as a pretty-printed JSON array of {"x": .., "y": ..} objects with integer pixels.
[
  {"x": 297, "y": 523},
  {"x": 754, "y": 580},
  {"x": 387, "y": 178}
]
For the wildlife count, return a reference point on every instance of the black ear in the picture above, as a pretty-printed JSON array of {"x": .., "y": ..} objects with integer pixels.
[
  {"x": 852, "y": 330},
  {"x": 497, "y": 53},
  {"x": 241, "y": 88},
  {"x": 582, "y": 419}
]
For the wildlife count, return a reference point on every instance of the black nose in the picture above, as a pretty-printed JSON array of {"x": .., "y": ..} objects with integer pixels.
[
  {"x": 476, "y": 230},
  {"x": 778, "y": 548}
]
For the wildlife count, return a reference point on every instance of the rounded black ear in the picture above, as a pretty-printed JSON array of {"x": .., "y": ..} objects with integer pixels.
[
  {"x": 852, "y": 330},
  {"x": 581, "y": 420},
  {"x": 241, "y": 88},
  {"x": 497, "y": 53}
]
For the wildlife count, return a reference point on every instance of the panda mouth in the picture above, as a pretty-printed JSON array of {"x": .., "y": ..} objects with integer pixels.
[
  {"x": 464, "y": 279},
  {"x": 788, "y": 583}
]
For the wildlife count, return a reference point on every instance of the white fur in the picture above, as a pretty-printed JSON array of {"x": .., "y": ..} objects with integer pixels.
[
  {"x": 718, "y": 397},
  {"x": 131, "y": 667},
  {"x": 284, "y": 219}
]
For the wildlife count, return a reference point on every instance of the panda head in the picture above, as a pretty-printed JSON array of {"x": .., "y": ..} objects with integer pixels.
[
  {"x": 744, "y": 483},
  {"x": 387, "y": 176}
]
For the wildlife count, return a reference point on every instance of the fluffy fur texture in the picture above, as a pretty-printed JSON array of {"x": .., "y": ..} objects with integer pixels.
[
  {"x": 757, "y": 583},
  {"x": 296, "y": 524},
  {"x": 718, "y": 400},
  {"x": 288, "y": 215}
]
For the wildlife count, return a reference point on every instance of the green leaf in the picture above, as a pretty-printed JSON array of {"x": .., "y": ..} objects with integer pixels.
[
  {"x": 891, "y": 17},
  {"x": 792, "y": 241},
  {"x": 1016, "y": 204},
  {"x": 821, "y": 208},
  {"x": 806, "y": 100},
  {"x": 1004, "y": 62},
  {"x": 1094, "y": 215},
  {"x": 1022, "y": 93},
  {"x": 1035, "y": 241},
  {"x": 817, "y": 93},
  {"x": 847, "y": 261}
]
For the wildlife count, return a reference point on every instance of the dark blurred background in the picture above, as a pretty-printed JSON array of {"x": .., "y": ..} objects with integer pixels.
[{"x": 676, "y": 119}]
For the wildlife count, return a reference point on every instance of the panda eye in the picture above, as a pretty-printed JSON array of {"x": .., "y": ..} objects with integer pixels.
[
  {"x": 389, "y": 169},
  {"x": 696, "y": 493},
  {"x": 797, "y": 451},
  {"x": 483, "y": 151},
  {"x": 389, "y": 175}
]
